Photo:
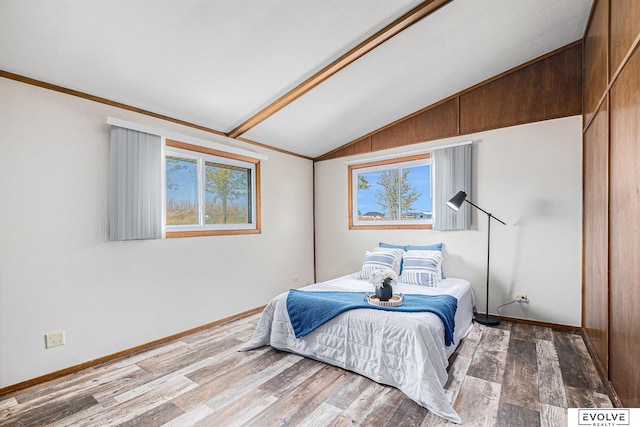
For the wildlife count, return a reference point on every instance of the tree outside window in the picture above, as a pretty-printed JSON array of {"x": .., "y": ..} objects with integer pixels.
[
  {"x": 208, "y": 194},
  {"x": 393, "y": 194}
]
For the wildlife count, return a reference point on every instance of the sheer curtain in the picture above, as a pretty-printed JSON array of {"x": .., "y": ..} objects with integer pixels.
[
  {"x": 452, "y": 170},
  {"x": 135, "y": 185}
]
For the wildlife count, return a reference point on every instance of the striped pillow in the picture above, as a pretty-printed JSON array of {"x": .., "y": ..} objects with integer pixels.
[
  {"x": 421, "y": 268},
  {"x": 376, "y": 260},
  {"x": 397, "y": 266}
]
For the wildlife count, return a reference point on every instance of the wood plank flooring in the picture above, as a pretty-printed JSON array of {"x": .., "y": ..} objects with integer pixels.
[{"x": 511, "y": 375}]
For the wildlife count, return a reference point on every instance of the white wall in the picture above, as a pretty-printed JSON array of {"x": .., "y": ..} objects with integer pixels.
[
  {"x": 59, "y": 272},
  {"x": 529, "y": 176}
]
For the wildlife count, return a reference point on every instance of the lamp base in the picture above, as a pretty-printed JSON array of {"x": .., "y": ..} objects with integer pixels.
[{"x": 485, "y": 319}]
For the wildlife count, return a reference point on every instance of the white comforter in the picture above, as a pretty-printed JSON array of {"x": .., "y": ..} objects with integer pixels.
[{"x": 404, "y": 350}]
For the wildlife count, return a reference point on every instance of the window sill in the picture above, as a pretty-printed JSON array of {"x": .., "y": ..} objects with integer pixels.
[
  {"x": 392, "y": 227},
  {"x": 202, "y": 233}
]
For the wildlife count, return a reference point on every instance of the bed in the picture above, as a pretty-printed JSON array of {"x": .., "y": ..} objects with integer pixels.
[{"x": 404, "y": 350}]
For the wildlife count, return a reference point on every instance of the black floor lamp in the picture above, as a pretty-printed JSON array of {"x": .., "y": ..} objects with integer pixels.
[{"x": 455, "y": 203}]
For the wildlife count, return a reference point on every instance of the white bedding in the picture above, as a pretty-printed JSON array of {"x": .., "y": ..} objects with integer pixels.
[{"x": 404, "y": 350}]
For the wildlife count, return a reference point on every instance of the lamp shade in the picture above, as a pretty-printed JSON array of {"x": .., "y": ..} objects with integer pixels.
[{"x": 456, "y": 201}]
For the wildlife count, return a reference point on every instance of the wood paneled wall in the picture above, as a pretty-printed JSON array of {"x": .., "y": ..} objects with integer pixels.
[
  {"x": 611, "y": 317},
  {"x": 546, "y": 88}
]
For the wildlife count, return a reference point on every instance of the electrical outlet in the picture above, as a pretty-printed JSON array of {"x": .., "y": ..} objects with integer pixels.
[
  {"x": 522, "y": 298},
  {"x": 54, "y": 339}
]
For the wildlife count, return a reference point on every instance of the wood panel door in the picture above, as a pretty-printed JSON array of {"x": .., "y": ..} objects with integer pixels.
[{"x": 624, "y": 229}]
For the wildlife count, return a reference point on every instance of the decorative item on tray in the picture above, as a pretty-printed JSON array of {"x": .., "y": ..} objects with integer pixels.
[
  {"x": 383, "y": 279},
  {"x": 394, "y": 301}
]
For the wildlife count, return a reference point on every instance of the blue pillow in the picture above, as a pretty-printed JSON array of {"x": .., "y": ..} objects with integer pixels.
[
  {"x": 403, "y": 247},
  {"x": 434, "y": 247}
]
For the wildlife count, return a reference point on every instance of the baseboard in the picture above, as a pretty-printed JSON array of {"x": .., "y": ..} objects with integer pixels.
[
  {"x": 601, "y": 371},
  {"x": 536, "y": 323},
  {"x": 127, "y": 352}
]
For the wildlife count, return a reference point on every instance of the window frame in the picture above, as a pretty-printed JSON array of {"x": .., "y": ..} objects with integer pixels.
[
  {"x": 385, "y": 225},
  {"x": 204, "y": 154}
]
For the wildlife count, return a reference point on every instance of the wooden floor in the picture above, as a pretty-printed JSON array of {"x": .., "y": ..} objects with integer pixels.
[{"x": 512, "y": 375}]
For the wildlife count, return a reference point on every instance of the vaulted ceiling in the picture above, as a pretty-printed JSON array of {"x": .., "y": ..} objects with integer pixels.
[{"x": 231, "y": 65}]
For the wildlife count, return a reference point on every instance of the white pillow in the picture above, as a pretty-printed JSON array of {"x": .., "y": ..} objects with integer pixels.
[
  {"x": 422, "y": 268},
  {"x": 398, "y": 253},
  {"x": 376, "y": 260}
]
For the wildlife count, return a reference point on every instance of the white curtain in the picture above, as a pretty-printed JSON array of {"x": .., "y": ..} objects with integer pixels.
[
  {"x": 452, "y": 173},
  {"x": 135, "y": 185}
]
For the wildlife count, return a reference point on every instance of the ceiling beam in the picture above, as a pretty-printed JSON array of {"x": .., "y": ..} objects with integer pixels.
[{"x": 414, "y": 15}]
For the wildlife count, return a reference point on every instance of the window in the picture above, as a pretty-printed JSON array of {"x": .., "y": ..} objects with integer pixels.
[
  {"x": 209, "y": 192},
  {"x": 391, "y": 194}
]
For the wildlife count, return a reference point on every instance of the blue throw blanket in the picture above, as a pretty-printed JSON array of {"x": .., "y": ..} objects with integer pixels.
[{"x": 309, "y": 309}]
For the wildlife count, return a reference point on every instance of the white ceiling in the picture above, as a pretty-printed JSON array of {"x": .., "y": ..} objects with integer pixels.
[{"x": 216, "y": 63}]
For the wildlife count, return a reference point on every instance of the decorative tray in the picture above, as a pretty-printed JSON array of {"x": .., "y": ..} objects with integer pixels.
[{"x": 394, "y": 301}]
